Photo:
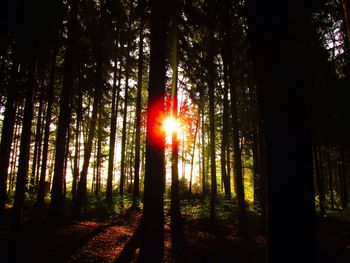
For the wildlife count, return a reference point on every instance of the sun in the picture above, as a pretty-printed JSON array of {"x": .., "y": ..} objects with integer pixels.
[{"x": 171, "y": 125}]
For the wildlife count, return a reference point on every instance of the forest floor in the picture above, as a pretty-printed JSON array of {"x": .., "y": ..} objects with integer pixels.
[{"x": 116, "y": 239}]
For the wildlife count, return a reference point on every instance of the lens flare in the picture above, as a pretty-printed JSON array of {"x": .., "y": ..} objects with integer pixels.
[{"x": 170, "y": 125}]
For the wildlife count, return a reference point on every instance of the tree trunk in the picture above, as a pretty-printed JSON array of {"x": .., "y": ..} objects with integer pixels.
[
  {"x": 80, "y": 199},
  {"x": 37, "y": 141},
  {"x": 125, "y": 111},
  {"x": 192, "y": 158},
  {"x": 211, "y": 85},
  {"x": 225, "y": 130},
  {"x": 174, "y": 192},
  {"x": 204, "y": 181},
  {"x": 14, "y": 156},
  {"x": 152, "y": 242},
  {"x": 56, "y": 205},
  {"x": 242, "y": 217},
  {"x": 114, "y": 116},
  {"x": 291, "y": 219},
  {"x": 99, "y": 150},
  {"x": 319, "y": 179},
  {"x": 50, "y": 97},
  {"x": 343, "y": 178},
  {"x": 8, "y": 125},
  {"x": 23, "y": 161},
  {"x": 330, "y": 179},
  {"x": 136, "y": 193},
  {"x": 79, "y": 117}
]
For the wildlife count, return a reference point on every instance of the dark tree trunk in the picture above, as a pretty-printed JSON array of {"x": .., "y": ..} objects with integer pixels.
[
  {"x": 256, "y": 169},
  {"x": 23, "y": 160},
  {"x": 242, "y": 217},
  {"x": 225, "y": 126},
  {"x": 211, "y": 85},
  {"x": 81, "y": 195},
  {"x": 291, "y": 219},
  {"x": 99, "y": 150},
  {"x": 112, "y": 136},
  {"x": 152, "y": 243},
  {"x": 37, "y": 141},
  {"x": 319, "y": 179},
  {"x": 343, "y": 180},
  {"x": 330, "y": 179},
  {"x": 204, "y": 181},
  {"x": 40, "y": 144},
  {"x": 346, "y": 8},
  {"x": 66, "y": 156},
  {"x": 14, "y": 156},
  {"x": 8, "y": 125},
  {"x": 125, "y": 111},
  {"x": 50, "y": 97},
  {"x": 77, "y": 142},
  {"x": 263, "y": 177},
  {"x": 56, "y": 205},
  {"x": 175, "y": 198},
  {"x": 192, "y": 158},
  {"x": 136, "y": 193}
]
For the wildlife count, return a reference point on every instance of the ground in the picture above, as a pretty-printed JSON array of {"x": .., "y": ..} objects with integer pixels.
[{"x": 116, "y": 239}]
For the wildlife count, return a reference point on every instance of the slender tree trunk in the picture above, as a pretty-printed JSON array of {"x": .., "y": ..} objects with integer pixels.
[
  {"x": 152, "y": 243},
  {"x": 211, "y": 85},
  {"x": 204, "y": 181},
  {"x": 343, "y": 178},
  {"x": 37, "y": 140},
  {"x": 114, "y": 116},
  {"x": 50, "y": 97},
  {"x": 8, "y": 125},
  {"x": 66, "y": 155},
  {"x": 23, "y": 161},
  {"x": 81, "y": 196},
  {"x": 77, "y": 142},
  {"x": 56, "y": 205},
  {"x": 256, "y": 169},
  {"x": 192, "y": 157},
  {"x": 40, "y": 144},
  {"x": 99, "y": 151},
  {"x": 175, "y": 198},
  {"x": 14, "y": 156},
  {"x": 125, "y": 111},
  {"x": 319, "y": 179},
  {"x": 136, "y": 193},
  {"x": 263, "y": 176},
  {"x": 242, "y": 218},
  {"x": 330, "y": 179},
  {"x": 225, "y": 130}
]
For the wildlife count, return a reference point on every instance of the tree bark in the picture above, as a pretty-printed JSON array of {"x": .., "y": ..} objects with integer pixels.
[
  {"x": 56, "y": 205},
  {"x": 23, "y": 160},
  {"x": 136, "y": 193},
  {"x": 125, "y": 111},
  {"x": 174, "y": 192},
  {"x": 291, "y": 219},
  {"x": 319, "y": 179},
  {"x": 7, "y": 133},
  {"x": 37, "y": 140},
  {"x": 80, "y": 199},
  {"x": 242, "y": 217},
  {"x": 50, "y": 97},
  {"x": 152, "y": 243},
  {"x": 114, "y": 116},
  {"x": 211, "y": 86}
]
